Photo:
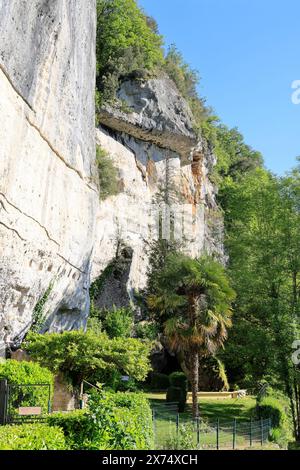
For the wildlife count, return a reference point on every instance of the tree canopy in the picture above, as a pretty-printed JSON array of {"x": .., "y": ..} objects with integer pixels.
[{"x": 79, "y": 355}]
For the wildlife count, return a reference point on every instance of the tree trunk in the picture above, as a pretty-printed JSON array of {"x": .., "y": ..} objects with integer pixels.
[{"x": 195, "y": 383}]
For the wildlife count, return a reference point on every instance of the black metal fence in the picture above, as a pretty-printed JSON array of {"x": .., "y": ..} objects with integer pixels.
[
  {"x": 173, "y": 430},
  {"x": 24, "y": 402}
]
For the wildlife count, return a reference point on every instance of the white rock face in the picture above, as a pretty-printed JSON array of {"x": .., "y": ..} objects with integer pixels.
[
  {"x": 48, "y": 197},
  {"x": 148, "y": 133},
  {"x": 154, "y": 112},
  {"x": 130, "y": 218},
  {"x": 51, "y": 223}
]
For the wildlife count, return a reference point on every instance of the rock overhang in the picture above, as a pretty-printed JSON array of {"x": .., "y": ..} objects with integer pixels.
[{"x": 154, "y": 111}]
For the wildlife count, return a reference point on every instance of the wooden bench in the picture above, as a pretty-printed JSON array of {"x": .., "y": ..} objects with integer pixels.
[{"x": 220, "y": 395}]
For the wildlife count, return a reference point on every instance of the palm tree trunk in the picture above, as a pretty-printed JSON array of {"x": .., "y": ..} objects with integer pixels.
[{"x": 195, "y": 383}]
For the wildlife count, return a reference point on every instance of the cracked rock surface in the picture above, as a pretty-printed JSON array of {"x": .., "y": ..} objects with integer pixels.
[
  {"x": 147, "y": 133},
  {"x": 47, "y": 149},
  {"x": 155, "y": 112}
]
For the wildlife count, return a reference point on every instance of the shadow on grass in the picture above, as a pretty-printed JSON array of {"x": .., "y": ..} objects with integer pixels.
[{"x": 240, "y": 409}]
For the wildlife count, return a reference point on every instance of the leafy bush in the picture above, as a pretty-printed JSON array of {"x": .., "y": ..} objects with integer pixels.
[
  {"x": 147, "y": 330},
  {"x": 118, "y": 323},
  {"x": 159, "y": 381},
  {"x": 108, "y": 174},
  {"x": 272, "y": 408},
  {"x": 31, "y": 437},
  {"x": 19, "y": 373},
  {"x": 186, "y": 80},
  {"x": 77, "y": 428},
  {"x": 94, "y": 357},
  {"x": 277, "y": 411},
  {"x": 121, "y": 421},
  {"x": 126, "y": 43},
  {"x": 177, "y": 395},
  {"x": 184, "y": 439},
  {"x": 178, "y": 379}
]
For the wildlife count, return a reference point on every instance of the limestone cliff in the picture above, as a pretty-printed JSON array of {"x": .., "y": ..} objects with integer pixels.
[
  {"x": 147, "y": 134},
  {"x": 47, "y": 195},
  {"x": 55, "y": 233}
]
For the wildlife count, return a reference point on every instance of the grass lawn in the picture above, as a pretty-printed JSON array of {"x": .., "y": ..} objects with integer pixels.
[{"x": 211, "y": 409}]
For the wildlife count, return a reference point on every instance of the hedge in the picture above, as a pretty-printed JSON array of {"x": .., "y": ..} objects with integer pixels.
[
  {"x": 31, "y": 437},
  {"x": 270, "y": 407},
  {"x": 122, "y": 421},
  {"x": 77, "y": 428},
  {"x": 113, "y": 421},
  {"x": 275, "y": 409},
  {"x": 18, "y": 373},
  {"x": 159, "y": 381},
  {"x": 177, "y": 395},
  {"x": 178, "y": 379}
]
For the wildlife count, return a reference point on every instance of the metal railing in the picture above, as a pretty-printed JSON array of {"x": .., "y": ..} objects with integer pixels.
[{"x": 172, "y": 430}]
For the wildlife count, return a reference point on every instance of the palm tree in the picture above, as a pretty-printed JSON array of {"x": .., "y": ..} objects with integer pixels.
[{"x": 194, "y": 303}]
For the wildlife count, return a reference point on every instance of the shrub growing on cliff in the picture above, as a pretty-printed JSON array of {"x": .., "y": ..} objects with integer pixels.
[
  {"x": 186, "y": 80},
  {"x": 38, "y": 314},
  {"x": 78, "y": 355},
  {"x": 126, "y": 43},
  {"x": 108, "y": 174}
]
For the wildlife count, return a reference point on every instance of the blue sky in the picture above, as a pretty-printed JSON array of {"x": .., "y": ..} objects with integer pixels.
[{"x": 248, "y": 55}]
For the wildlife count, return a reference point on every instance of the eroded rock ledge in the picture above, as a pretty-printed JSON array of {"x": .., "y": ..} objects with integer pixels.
[
  {"x": 154, "y": 111},
  {"x": 149, "y": 133}
]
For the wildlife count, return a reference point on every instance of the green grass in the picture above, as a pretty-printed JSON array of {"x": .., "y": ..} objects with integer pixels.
[
  {"x": 211, "y": 409},
  {"x": 226, "y": 410}
]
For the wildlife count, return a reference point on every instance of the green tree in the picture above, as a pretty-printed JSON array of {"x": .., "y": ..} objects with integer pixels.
[
  {"x": 194, "y": 300},
  {"x": 126, "y": 43},
  {"x": 88, "y": 356},
  {"x": 262, "y": 221}
]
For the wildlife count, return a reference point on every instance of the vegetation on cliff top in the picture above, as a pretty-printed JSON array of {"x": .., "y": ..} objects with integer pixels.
[{"x": 126, "y": 44}]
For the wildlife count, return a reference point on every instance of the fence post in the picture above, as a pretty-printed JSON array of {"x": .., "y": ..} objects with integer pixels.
[
  {"x": 262, "y": 431},
  {"x": 49, "y": 399},
  {"x": 218, "y": 434},
  {"x": 234, "y": 434},
  {"x": 81, "y": 396},
  {"x": 198, "y": 431},
  {"x": 3, "y": 401},
  {"x": 251, "y": 437},
  {"x": 177, "y": 427}
]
